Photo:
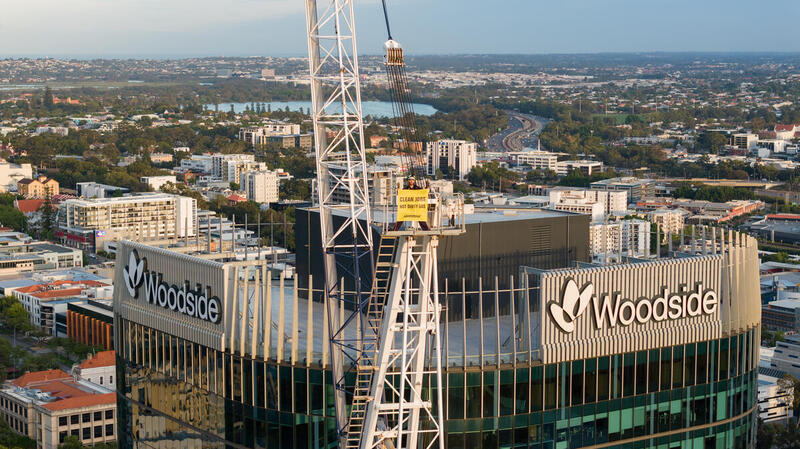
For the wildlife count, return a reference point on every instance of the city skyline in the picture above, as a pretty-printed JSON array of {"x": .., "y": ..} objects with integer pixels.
[{"x": 146, "y": 28}]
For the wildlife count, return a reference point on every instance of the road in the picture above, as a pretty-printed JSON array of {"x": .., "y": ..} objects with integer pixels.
[{"x": 521, "y": 133}]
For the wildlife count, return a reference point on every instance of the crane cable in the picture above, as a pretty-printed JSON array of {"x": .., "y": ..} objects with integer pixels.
[{"x": 402, "y": 107}]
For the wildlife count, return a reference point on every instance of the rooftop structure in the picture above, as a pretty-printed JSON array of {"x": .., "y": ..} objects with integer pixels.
[
  {"x": 47, "y": 406},
  {"x": 636, "y": 188}
]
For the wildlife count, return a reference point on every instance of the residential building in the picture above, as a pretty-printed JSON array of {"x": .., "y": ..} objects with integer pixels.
[
  {"x": 636, "y": 188},
  {"x": 97, "y": 190},
  {"x": 90, "y": 322},
  {"x": 11, "y": 174},
  {"x": 669, "y": 221},
  {"x": 229, "y": 167},
  {"x": 156, "y": 182},
  {"x": 58, "y": 130},
  {"x": 88, "y": 223},
  {"x": 615, "y": 240},
  {"x": 586, "y": 168},
  {"x": 99, "y": 369},
  {"x": 48, "y": 406},
  {"x": 41, "y": 187},
  {"x": 382, "y": 185},
  {"x": 261, "y": 186},
  {"x": 458, "y": 155}
]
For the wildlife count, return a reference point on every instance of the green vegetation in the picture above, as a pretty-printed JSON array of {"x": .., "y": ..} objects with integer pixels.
[
  {"x": 771, "y": 338},
  {"x": 11, "y": 440},
  {"x": 777, "y": 436},
  {"x": 718, "y": 194}
]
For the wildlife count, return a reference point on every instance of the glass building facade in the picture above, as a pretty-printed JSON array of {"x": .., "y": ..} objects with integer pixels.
[
  {"x": 699, "y": 395},
  {"x": 510, "y": 380}
]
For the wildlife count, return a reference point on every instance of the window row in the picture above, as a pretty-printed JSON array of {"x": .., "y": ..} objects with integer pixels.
[
  {"x": 85, "y": 417},
  {"x": 87, "y": 433}
]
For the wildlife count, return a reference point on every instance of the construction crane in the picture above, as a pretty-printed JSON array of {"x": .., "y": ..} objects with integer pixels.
[{"x": 386, "y": 328}]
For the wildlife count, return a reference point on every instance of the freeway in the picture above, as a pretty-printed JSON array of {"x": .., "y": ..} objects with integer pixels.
[{"x": 520, "y": 134}]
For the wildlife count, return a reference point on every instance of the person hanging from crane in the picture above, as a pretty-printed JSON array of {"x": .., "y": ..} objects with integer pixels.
[{"x": 409, "y": 198}]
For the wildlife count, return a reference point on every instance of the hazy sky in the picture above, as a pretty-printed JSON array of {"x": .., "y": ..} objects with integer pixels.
[{"x": 277, "y": 27}]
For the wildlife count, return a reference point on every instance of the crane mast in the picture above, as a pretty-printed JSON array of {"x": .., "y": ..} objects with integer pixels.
[
  {"x": 341, "y": 169},
  {"x": 385, "y": 330}
]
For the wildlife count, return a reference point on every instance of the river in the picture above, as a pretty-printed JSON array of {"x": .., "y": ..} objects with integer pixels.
[{"x": 373, "y": 108}]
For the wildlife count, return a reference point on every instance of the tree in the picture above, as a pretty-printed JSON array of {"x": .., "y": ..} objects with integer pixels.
[
  {"x": 48, "y": 101},
  {"x": 234, "y": 185},
  {"x": 787, "y": 383}
]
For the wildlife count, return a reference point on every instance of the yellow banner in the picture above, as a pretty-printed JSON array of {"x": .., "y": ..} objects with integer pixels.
[{"x": 412, "y": 205}]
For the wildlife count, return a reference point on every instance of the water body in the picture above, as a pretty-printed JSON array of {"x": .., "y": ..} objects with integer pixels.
[{"x": 373, "y": 108}]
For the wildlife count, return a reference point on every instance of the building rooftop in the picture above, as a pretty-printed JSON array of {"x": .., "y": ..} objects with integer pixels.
[
  {"x": 38, "y": 377},
  {"x": 104, "y": 358},
  {"x": 785, "y": 303}
]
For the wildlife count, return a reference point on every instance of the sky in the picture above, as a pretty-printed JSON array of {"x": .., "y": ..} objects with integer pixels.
[{"x": 179, "y": 28}]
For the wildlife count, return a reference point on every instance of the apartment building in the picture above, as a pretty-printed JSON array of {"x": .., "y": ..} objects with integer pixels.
[
  {"x": 458, "y": 155},
  {"x": 48, "y": 406},
  {"x": 382, "y": 185},
  {"x": 261, "y": 186},
  {"x": 668, "y": 221},
  {"x": 202, "y": 163},
  {"x": 89, "y": 223},
  {"x": 229, "y": 167},
  {"x": 41, "y": 187},
  {"x": 612, "y": 241}
]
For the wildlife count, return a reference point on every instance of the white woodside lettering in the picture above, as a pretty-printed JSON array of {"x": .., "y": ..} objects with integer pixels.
[
  {"x": 195, "y": 303},
  {"x": 612, "y": 310}
]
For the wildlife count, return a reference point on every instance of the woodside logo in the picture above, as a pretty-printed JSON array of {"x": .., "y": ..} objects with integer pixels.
[
  {"x": 195, "y": 303},
  {"x": 611, "y": 309}
]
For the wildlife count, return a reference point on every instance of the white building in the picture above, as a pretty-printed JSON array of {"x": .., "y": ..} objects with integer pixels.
[
  {"x": 619, "y": 239},
  {"x": 86, "y": 223},
  {"x": 537, "y": 160},
  {"x": 578, "y": 200},
  {"x": 669, "y": 221},
  {"x": 261, "y": 186},
  {"x": 382, "y": 184},
  {"x": 95, "y": 190},
  {"x": 100, "y": 369},
  {"x": 58, "y": 130},
  {"x": 229, "y": 167},
  {"x": 588, "y": 168},
  {"x": 458, "y": 155},
  {"x": 745, "y": 141},
  {"x": 774, "y": 401},
  {"x": 202, "y": 163},
  {"x": 10, "y": 174},
  {"x": 156, "y": 182}
]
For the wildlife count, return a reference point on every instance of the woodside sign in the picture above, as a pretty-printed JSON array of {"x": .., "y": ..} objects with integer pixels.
[
  {"x": 611, "y": 309},
  {"x": 197, "y": 302}
]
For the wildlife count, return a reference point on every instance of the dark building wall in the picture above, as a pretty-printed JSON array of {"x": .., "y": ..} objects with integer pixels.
[{"x": 486, "y": 250}]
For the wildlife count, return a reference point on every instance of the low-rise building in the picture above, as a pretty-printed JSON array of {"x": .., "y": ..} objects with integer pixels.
[
  {"x": 20, "y": 253},
  {"x": 99, "y": 369},
  {"x": 774, "y": 397},
  {"x": 48, "y": 406},
  {"x": 586, "y": 168},
  {"x": 787, "y": 356},
  {"x": 156, "y": 182},
  {"x": 41, "y": 187},
  {"x": 781, "y": 314},
  {"x": 636, "y": 188},
  {"x": 537, "y": 160},
  {"x": 44, "y": 301}
]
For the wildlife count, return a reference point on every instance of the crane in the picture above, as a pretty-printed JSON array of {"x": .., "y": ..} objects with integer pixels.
[{"x": 384, "y": 326}]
